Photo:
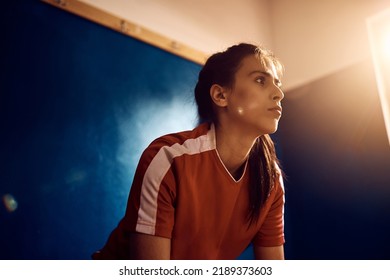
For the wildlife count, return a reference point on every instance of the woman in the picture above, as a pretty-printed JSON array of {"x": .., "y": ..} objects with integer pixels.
[{"x": 208, "y": 193}]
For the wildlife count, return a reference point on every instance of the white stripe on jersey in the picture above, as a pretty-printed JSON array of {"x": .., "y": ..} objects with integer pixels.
[{"x": 156, "y": 171}]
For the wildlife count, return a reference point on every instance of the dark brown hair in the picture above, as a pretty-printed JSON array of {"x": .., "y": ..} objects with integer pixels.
[{"x": 220, "y": 69}]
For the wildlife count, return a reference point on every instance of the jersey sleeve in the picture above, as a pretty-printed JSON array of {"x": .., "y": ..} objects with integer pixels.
[
  {"x": 150, "y": 207},
  {"x": 271, "y": 232}
]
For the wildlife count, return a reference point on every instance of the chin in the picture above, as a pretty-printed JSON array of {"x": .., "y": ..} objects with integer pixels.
[
  {"x": 272, "y": 130},
  {"x": 264, "y": 131},
  {"x": 264, "y": 128}
]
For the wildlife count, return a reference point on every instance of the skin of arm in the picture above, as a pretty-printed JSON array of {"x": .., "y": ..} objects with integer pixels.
[
  {"x": 269, "y": 253},
  {"x": 149, "y": 247}
]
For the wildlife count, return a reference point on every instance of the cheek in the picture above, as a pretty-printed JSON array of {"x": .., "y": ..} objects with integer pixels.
[
  {"x": 245, "y": 108},
  {"x": 244, "y": 102}
]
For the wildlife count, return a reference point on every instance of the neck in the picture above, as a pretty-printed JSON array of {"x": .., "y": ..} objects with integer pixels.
[{"x": 233, "y": 148}]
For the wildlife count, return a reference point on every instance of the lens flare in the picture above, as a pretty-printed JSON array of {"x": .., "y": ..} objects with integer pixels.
[
  {"x": 386, "y": 45},
  {"x": 378, "y": 27},
  {"x": 10, "y": 202}
]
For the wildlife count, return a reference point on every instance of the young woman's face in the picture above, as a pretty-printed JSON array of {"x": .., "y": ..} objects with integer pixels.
[{"x": 254, "y": 102}]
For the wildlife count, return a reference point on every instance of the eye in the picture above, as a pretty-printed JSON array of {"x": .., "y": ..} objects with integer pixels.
[{"x": 261, "y": 80}]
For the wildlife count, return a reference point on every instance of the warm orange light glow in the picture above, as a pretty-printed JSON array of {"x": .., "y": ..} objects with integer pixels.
[
  {"x": 386, "y": 45},
  {"x": 379, "y": 35}
]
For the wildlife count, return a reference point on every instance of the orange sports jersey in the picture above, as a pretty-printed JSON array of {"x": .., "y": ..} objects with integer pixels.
[{"x": 182, "y": 191}]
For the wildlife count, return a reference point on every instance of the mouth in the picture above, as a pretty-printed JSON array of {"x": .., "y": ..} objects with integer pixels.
[{"x": 276, "y": 109}]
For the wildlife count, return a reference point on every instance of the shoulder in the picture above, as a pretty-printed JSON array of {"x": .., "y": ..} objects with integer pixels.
[{"x": 184, "y": 142}]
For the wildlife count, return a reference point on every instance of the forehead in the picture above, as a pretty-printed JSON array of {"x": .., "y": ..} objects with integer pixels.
[{"x": 255, "y": 63}]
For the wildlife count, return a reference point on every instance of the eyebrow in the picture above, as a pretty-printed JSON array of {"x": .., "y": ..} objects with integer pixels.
[{"x": 277, "y": 81}]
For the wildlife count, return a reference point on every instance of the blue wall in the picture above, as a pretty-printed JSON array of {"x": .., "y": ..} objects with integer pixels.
[{"x": 79, "y": 103}]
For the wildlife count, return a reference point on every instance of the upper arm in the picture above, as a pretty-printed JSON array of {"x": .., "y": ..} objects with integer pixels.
[
  {"x": 271, "y": 232},
  {"x": 150, "y": 209},
  {"x": 269, "y": 253},
  {"x": 149, "y": 247}
]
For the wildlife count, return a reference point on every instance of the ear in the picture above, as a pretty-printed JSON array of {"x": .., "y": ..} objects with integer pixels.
[{"x": 218, "y": 95}]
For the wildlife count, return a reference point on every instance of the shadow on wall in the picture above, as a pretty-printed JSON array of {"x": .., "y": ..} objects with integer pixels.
[{"x": 337, "y": 159}]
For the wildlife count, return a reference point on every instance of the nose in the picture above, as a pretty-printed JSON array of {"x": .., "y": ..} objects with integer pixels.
[{"x": 277, "y": 94}]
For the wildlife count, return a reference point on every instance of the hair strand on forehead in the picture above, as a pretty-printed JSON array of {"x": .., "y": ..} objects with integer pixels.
[{"x": 268, "y": 60}]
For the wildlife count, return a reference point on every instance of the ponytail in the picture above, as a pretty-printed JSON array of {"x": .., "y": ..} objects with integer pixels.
[{"x": 263, "y": 174}]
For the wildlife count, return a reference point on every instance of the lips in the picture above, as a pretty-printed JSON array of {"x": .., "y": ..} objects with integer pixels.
[{"x": 276, "y": 109}]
